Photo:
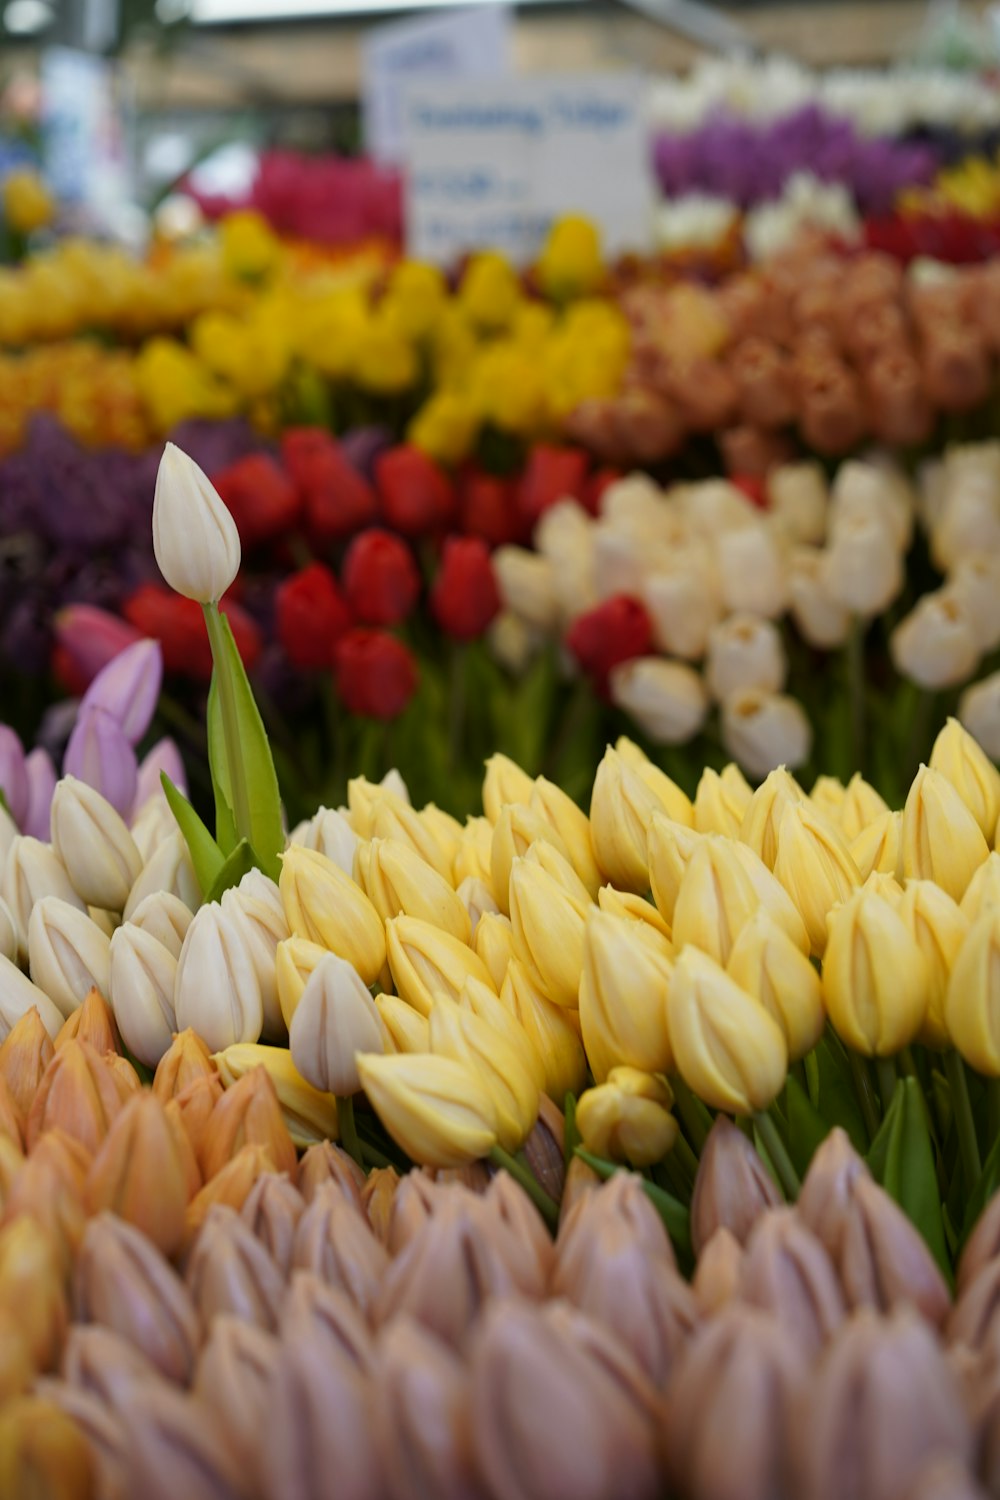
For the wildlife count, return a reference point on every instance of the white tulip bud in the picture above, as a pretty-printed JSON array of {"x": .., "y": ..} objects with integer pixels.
[
  {"x": 751, "y": 571},
  {"x": 153, "y": 823},
  {"x": 715, "y": 506},
  {"x": 93, "y": 843},
  {"x": 975, "y": 583},
  {"x": 8, "y": 833},
  {"x": 166, "y": 917},
  {"x": 195, "y": 539},
  {"x": 68, "y": 953},
  {"x": 863, "y": 567},
  {"x": 330, "y": 833},
  {"x": 764, "y": 730},
  {"x": 633, "y": 502},
  {"x": 821, "y": 621},
  {"x": 527, "y": 585},
  {"x": 935, "y": 646},
  {"x": 564, "y": 535},
  {"x": 979, "y": 711},
  {"x": 666, "y": 699},
  {"x": 217, "y": 993},
  {"x": 18, "y": 995},
  {"x": 8, "y": 931},
  {"x": 255, "y": 907},
  {"x": 620, "y": 560},
  {"x": 393, "y": 782},
  {"x": 335, "y": 1019},
  {"x": 33, "y": 870},
  {"x": 142, "y": 985},
  {"x": 513, "y": 642},
  {"x": 873, "y": 489},
  {"x": 744, "y": 652},
  {"x": 169, "y": 869},
  {"x": 969, "y": 523},
  {"x": 477, "y": 898},
  {"x": 798, "y": 498},
  {"x": 683, "y": 605}
]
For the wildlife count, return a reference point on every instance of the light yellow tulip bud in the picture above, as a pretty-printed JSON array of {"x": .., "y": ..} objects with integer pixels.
[
  {"x": 458, "y": 1032},
  {"x": 527, "y": 585},
  {"x": 503, "y": 784},
  {"x": 18, "y": 995},
  {"x": 861, "y": 807},
  {"x": 517, "y": 829},
  {"x": 94, "y": 844},
  {"x": 815, "y": 866},
  {"x": 670, "y": 846},
  {"x": 623, "y": 996},
  {"x": 309, "y": 1115},
  {"x": 762, "y": 820},
  {"x": 330, "y": 833},
  {"x": 68, "y": 953},
  {"x": 879, "y": 847},
  {"x": 727, "y": 1048},
  {"x": 972, "y": 1001},
  {"x": 472, "y": 858},
  {"x": 195, "y": 539},
  {"x": 407, "y": 1029},
  {"x": 886, "y": 886},
  {"x": 448, "y": 831},
  {"x": 494, "y": 944},
  {"x": 438, "y": 1110},
  {"x": 875, "y": 979},
  {"x": 573, "y": 827},
  {"x": 633, "y": 908},
  {"x": 675, "y": 802},
  {"x": 426, "y": 962},
  {"x": 622, "y": 808},
  {"x": 721, "y": 802},
  {"x": 325, "y": 906},
  {"x": 627, "y": 1118},
  {"x": 256, "y": 908},
  {"x": 940, "y": 928},
  {"x": 550, "y": 1030},
  {"x": 489, "y": 1007},
  {"x": 334, "y": 1019},
  {"x": 33, "y": 870},
  {"x": 142, "y": 984},
  {"x": 827, "y": 796},
  {"x": 715, "y": 900},
  {"x": 168, "y": 869},
  {"x": 362, "y": 797},
  {"x": 165, "y": 917},
  {"x": 398, "y": 882},
  {"x": 772, "y": 895},
  {"x": 973, "y": 775},
  {"x": 768, "y": 965},
  {"x": 395, "y": 819},
  {"x": 477, "y": 898},
  {"x": 941, "y": 839},
  {"x": 546, "y": 856},
  {"x": 216, "y": 991},
  {"x": 983, "y": 889},
  {"x": 294, "y": 960},
  {"x": 548, "y": 931}
]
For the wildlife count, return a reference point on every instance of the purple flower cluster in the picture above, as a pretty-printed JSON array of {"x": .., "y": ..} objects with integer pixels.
[{"x": 750, "y": 162}]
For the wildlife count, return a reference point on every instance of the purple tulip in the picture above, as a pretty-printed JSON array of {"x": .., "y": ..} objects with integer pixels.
[
  {"x": 92, "y": 638},
  {"x": 164, "y": 756},
  {"x": 13, "y": 775},
  {"x": 128, "y": 688},
  {"x": 99, "y": 754},
  {"x": 41, "y": 785}
]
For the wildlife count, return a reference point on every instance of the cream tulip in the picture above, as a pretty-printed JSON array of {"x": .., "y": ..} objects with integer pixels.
[
  {"x": 169, "y": 869},
  {"x": 335, "y": 1019},
  {"x": 256, "y": 908},
  {"x": 165, "y": 917},
  {"x": 820, "y": 619},
  {"x": 764, "y": 730},
  {"x": 217, "y": 992},
  {"x": 744, "y": 652},
  {"x": 195, "y": 539},
  {"x": 979, "y": 712},
  {"x": 797, "y": 495},
  {"x": 142, "y": 982},
  {"x": 33, "y": 870},
  {"x": 94, "y": 844},
  {"x": 527, "y": 586},
  {"x": 68, "y": 954},
  {"x": 935, "y": 646},
  {"x": 863, "y": 567},
  {"x": 682, "y": 608},
  {"x": 666, "y": 699},
  {"x": 751, "y": 568}
]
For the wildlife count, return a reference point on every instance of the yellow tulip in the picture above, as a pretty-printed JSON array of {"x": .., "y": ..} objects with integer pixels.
[
  {"x": 548, "y": 931},
  {"x": 398, "y": 882},
  {"x": 827, "y": 796},
  {"x": 715, "y": 901},
  {"x": 861, "y": 807},
  {"x": 675, "y": 802},
  {"x": 407, "y": 1029},
  {"x": 627, "y": 1118},
  {"x": 472, "y": 858},
  {"x": 517, "y": 828},
  {"x": 765, "y": 810},
  {"x": 886, "y": 886},
  {"x": 503, "y": 783},
  {"x": 983, "y": 889},
  {"x": 941, "y": 839},
  {"x": 573, "y": 827},
  {"x": 972, "y": 1001},
  {"x": 550, "y": 1030},
  {"x": 635, "y": 908},
  {"x": 426, "y": 962},
  {"x": 310, "y": 1114},
  {"x": 392, "y": 818},
  {"x": 457, "y": 1031},
  {"x": 879, "y": 846},
  {"x": 494, "y": 944},
  {"x": 489, "y": 1007},
  {"x": 768, "y": 965},
  {"x": 721, "y": 801},
  {"x": 975, "y": 778},
  {"x": 669, "y": 847},
  {"x": 875, "y": 978},
  {"x": 295, "y": 959},
  {"x": 940, "y": 928},
  {"x": 324, "y": 905},
  {"x": 727, "y": 1048},
  {"x": 623, "y": 996},
  {"x": 546, "y": 856},
  {"x": 815, "y": 866},
  {"x": 772, "y": 895},
  {"x": 438, "y": 1110},
  {"x": 622, "y": 808}
]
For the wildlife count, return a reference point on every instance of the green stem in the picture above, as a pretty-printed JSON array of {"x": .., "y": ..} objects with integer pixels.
[
  {"x": 887, "y": 1077},
  {"x": 856, "y": 688},
  {"x": 547, "y": 1207},
  {"x": 373, "y": 1157},
  {"x": 694, "y": 1116},
  {"x": 787, "y": 1175},
  {"x": 993, "y": 1109},
  {"x": 230, "y": 723},
  {"x": 863, "y": 1089},
  {"x": 685, "y": 1156},
  {"x": 962, "y": 1108},
  {"x": 348, "y": 1130},
  {"x": 456, "y": 702}
]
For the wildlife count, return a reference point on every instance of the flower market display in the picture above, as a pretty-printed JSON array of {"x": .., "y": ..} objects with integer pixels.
[{"x": 641, "y": 1148}]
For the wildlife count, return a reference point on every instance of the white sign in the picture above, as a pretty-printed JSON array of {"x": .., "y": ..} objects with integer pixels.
[
  {"x": 493, "y": 164},
  {"x": 83, "y": 147},
  {"x": 466, "y": 44}
]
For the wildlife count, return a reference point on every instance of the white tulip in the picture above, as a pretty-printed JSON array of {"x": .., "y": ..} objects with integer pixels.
[
  {"x": 820, "y": 620},
  {"x": 393, "y": 782},
  {"x": 169, "y": 868},
  {"x": 620, "y": 561},
  {"x": 255, "y": 907},
  {"x": 666, "y": 699},
  {"x": 764, "y": 730},
  {"x": 633, "y": 502},
  {"x": 565, "y": 536},
  {"x": 217, "y": 992},
  {"x": 93, "y": 843},
  {"x": 153, "y": 823},
  {"x": 979, "y": 711},
  {"x": 969, "y": 524},
  {"x": 33, "y": 870},
  {"x": 715, "y": 506},
  {"x": 330, "y": 833},
  {"x": 863, "y": 568},
  {"x": 975, "y": 584},
  {"x": 142, "y": 985},
  {"x": 8, "y": 932},
  {"x": 683, "y": 607},
  {"x": 932, "y": 490},
  {"x": 798, "y": 497},
  {"x": 68, "y": 954},
  {"x": 18, "y": 995},
  {"x": 335, "y": 1019},
  {"x": 166, "y": 917},
  {"x": 195, "y": 539},
  {"x": 935, "y": 646},
  {"x": 527, "y": 586},
  {"x": 751, "y": 571},
  {"x": 744, "y": 652},
  {"x": 513, "y": 642},
  {"x": 8, "y": 833},
  {"x": 873, "y": 489}
]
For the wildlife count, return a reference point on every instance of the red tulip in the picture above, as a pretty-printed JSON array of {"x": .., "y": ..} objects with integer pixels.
[
  {"x": 609, "y": 634},
  {"x": 87, "y": 638},
  {"x": 260, "y": 496},
  {"x": 376, "y": 675},
  {"x": 552, "y": 474},
  {"x": 593, "y": 492},
  {"x": 465, "y": 597},
  {"x": 310, "y": 616},
  {"x": 179, "y": 626},
  {"x": 336, "y": 500},
  {"x": 487, "y": 508},
  {"x": 380, "y": 578},
  {"x": 417, "y": 496}
]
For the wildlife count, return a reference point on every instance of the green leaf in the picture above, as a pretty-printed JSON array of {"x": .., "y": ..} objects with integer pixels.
[
  {"x": 239, "y": 863},
  {"x": 206, "y": 856},
  {"x": 902, "y": 1159},
  {"x": 675, "y": 1216},
  {"x": 806, "y": 1127},
  {"x": 838, "y": 1104},
  {"x": 878, "y": 1152},
  {"x": 225, "y": 824},
  {"x": 989, "y": 1180}
]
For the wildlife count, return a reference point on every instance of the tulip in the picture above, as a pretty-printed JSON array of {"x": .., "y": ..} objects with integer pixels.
[
  {"x": 884, "y": 1261},
  {"x": 186, "y": 1059},
  {"x": 272, "y": 1211},
  {"x": 940, "y": 928},
  {"x": 32, "y": 1289},
  {"x": 959, "y": 758},
  {"x": 504, "y": 783},
  {"x": 732, "y": 1188},
  {"x": 78, "y": 1093},
  {"x": 667, "y": 700},
  {"x": 765, "y": 810},
  {"x": 163, "y": 756},
  {"x": 628, "y": 1117},
  {"x": 674, "y": 801},
  {"x": 815, "y": 867},
  {"x": 549, "y": 1029},
  {"x": 472, "y": 859},
  {"x": 195, "y": 538},
  {"x": 231, "y": 1186},
  {"x": 623, "y": 997},
  {"x": 232, "y": 1378},
  {"x": 715, "y": 899},
  {"x": 485, "y": 1004},
  {"x": 326, "y": 1163},
  {"x": 935, "y": 646},
  {"x": 683, "y": 606},
  {"x": 330, "y": 833},
  {"x": 427, "y": 962},
  {"x": 94, "y": 844},
  {"x": 255, "y": 908},
  {"x": 229, "y": 1273},
  {"x": 421, "y": 1418},
  {"x": 128, "y": 688},
  {"x": 248, "y": 1114},
  {"x": 294, "y": 960},
  {"x": 477, "y": 898},
  {"x": 41, "y": 775},
  {"x": 548, "y": 930},
  {"x": 764, "y": 730},
  {"x": 766, "y": 963},
  {"x": 99, "y": 754},
  {"x": 168, "y": 869},
  {"x": 435, "y": 841},
  {"x": 517, "y": 829},
  {"x": 33, "y": 870},
  {"x": 621, "y": 812},
  {"x": 860, "y": 807},
  {"x": 863, "y": 568},
  {"x": 153, "y": 823},
  {"x": 786, "y": 1271},
  {"x": 972, "y": 1005},
  {"x": 216, "y": 990},
  {"x": 821, "y": 620},
  {"x": 323, "y": 905},
  {"x": 670, "y": 847},
  {"x": 751, "y": 571},
  {"x": 397, "y": 881},
  {"x": 138, "y": 1174},
  {"x": 176, "y": 1448},
  {"x": 18, "y": 996},
  {"x": 8, "y": 932},
  {"x": 69, "y": 954},
  {"x": 973, "y": 584},
  {"x": 164, "y": 917},
  {"x": 941, "y": 839},
  {"x": 43, "y": 1452},
  {"x": 877, "y": 849},
  {"x": 979, "y": 711},
  {"x": 875, "y": 979},
  {"x": 573, "y": 827},
  {"x": 633, "y": 908},
  {"x": 726, "y": 1046},
  {"x": 437, "y": 1109},
  {"x": 97, "y": 1361},
  {"x": 25, "y": 1053},
  {"x": 494, "y": 944},
  {"x": 721, "y": 801},
  {"x": 334, "y": 1020},
  {"x": 407, "y": 1029},
  {"x": 744, "y": 652},
  {"x": 527, "y": 586},
  {"x": 459, "y": 1032}
]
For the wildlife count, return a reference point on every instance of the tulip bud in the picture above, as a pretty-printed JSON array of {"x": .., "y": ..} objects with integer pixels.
[
  {"x": 764, "y": 730},
  {"x": 427, "y": 962},
  {"x": 738, "y": 1376},
  {"x": 786, "y": 1271},
  {"x": 315, "y": 1310},
  {"x": 477, "y": 899},
  {"x": 744, "y": 652},
  {"x": 233, "y": 1377},
  {"x": 99, "y": 754},
  {"x": 494, "y": 944},
  {"x": 732, "y": 1188},
  {"x": 632, "y": 908},
  {"x": 42, "y": 1452},
  {"x": 11, "y": 1117},
  {"x": 230, "y": 1273},
  {"x": 726, "y": 1047},
  {"x": 437, "y": 1109},
  {"x": 176, "y": 1447},
  {"x": 8, "y": 932},
  {"x": 863, "y": 569},
  {"x": 549, "y": 1030},
  {"x": 398, "y": 882},
  {"x": 142, "y": 985},
  {"x": 331, "y": 834},
  {"x": 186, "y": 1059},
  {"x": 767, "y": 807},
  {"x": 715, "y": 899},
  {"x": 983, "y": 890},
  {"x": 216, "y": 990},
  {"x": 122, "y": 1281},
  {"x": 815, "y": 867},
  {"x": 33, "y": 870},
  {"x": 621, "y": 813},
  {"x": 670, "y": 846},
  {"x": 324, "y": 905},
  {"x": 335, "y": 1019},
  {"x": 25, "y": 1054},
  {"x": 623, "y": 997},
  {"x": 98, "y": 1361},
  {"x": 982, "y": 1246},
  {"x": 503, "y": 784},
  {"x": 271, "y": 1212},
  {"x": 721, "y": 801},
  {"x": 666, "y": 699},
  {"x": 91, "y": 1022},
  {"x": 248, "y": 1114},
  {"x": 139, "y": 1174},
  {"x": 472, "y": 859},
  {"x": 971, "y": 1323},
  {"x": 941, "y": 839},
  {"x": 94, "y": 845},
  {"x": 458, "y": 1032},
  {"x": 163, "y": 756},
  {"x": 979, "y": 711},
  {"x": 877, "y": 849},
  {"x": 151, "y": 825},
  {"x": 518, "y": 828},
  {"x": 255, "y": 907},
  {"x": 627, "y": 1118},
  {"x": 78, "y": 1093},
  {"x": 69, "y": 954},
  {"x": 333, "y": 1240},
  {"x": 18, "y": 996},
  {"x": 324, "y": 1162},
  {"x": 294, "y": 960},
  {"x": 231, "y": 1186},
  {"x": 405, "y": 1028},
  {"x": 31, "y": 1288},
  {"x": 820, "y": 619},
  {"x": 195, "y": 538},
  {"x": 573, "y": 827},
  {"x": 936, "y": 645},
  {"x": 875, "y": 979},
  {"x": 970, "y": 1007},
  {"x": 436, "y": 842},
  {"x": 766, "y": 963},
  {"x": 940, "y": 928},
  {"x": 958, "y": 757},
  {"x": 717, "y": 1275},
  {"x": 168, "y": 870},
  {"x": 548, "y": 931}
]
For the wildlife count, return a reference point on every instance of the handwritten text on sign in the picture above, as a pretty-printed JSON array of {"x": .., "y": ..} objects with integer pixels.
[{"x": 493, "y": 164}]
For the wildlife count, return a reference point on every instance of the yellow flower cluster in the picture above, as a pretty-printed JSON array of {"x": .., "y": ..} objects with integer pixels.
[
  {"x": 93, "y": 391},
  {"x": 973, "y": 187}
]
